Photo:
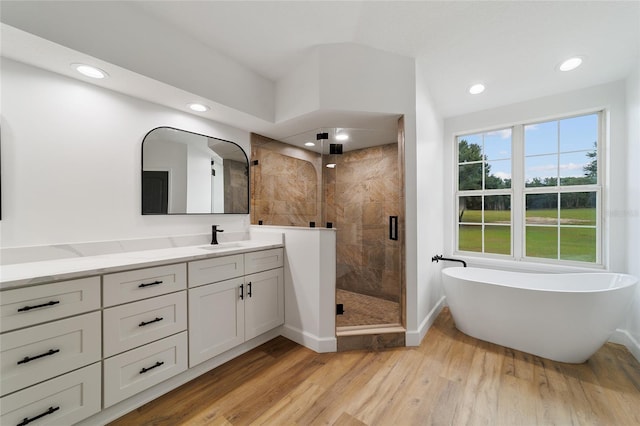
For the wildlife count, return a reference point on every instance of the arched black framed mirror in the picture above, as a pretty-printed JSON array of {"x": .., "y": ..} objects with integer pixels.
[{"x": 189, "y": 173}]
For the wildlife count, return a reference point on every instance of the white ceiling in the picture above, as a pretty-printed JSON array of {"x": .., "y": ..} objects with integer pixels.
[{"x": 512, "y": 47}]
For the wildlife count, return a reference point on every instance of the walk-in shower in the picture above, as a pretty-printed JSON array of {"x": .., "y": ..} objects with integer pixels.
[{"x": 350, "y": 179}]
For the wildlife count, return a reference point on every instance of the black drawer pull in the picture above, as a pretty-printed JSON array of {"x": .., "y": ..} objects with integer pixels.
[
  {"x": 241, "y": 291},
  {"x": 143, "y": 285},
  {"x": 26, "y": 359},
  {"x": 28, "y": 308},
  {"x": 249, "y": 289},
  {"x": 28, "y": 420},
  {"x": 143, "y": 323},
  {"x": 145, "y": 369}
]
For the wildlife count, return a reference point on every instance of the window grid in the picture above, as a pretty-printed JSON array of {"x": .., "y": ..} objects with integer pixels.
[
  {"x": 482, "y": 193},
  {"x": 519, "y": 192}
]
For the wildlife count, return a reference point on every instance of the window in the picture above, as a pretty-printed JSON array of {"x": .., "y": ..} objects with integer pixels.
[{"x": 532, "y": 190}]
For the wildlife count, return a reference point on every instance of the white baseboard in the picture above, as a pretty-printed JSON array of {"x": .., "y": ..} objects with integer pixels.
[
  {"x": 308, "y": 340},
  {"x": 413, "y": 338},
  {"x": 623, "y": 337}
]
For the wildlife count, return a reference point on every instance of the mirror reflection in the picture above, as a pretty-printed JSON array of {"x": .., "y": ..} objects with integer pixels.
[{"x": 189, "y": 173}]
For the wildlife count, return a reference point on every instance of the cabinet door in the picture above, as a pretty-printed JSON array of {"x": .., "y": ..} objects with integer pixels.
[
  {"x": 65, "y": 400},
  {"x": 264, "y": 304},
  {"x": 216, "y": 319}
]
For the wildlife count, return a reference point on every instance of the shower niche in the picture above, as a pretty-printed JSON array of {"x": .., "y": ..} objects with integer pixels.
[{"x": 350, "y": 179}]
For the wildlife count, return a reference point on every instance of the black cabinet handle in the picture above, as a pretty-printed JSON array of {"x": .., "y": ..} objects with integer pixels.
[
  {"x": 249, "y": 289},
  {"x": 241, "y": 291},
  {"x": 150, "y": 284},
  {"x": 26, "y": 359},
  {"x": 28, "y": 420},
  {"x": 393, "y": 227},
  {"x": 28, "y": 308},
  {"x": 143, "y": 323},
  {"x": 145, "y": 369}
]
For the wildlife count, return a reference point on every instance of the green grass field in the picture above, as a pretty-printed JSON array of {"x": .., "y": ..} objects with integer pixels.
[{"x": 541, "y": 241}]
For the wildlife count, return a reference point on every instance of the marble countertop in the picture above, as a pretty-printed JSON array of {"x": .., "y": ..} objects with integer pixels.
[{"x": 24, "y": 274}]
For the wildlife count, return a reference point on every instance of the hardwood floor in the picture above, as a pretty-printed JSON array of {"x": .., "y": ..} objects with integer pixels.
[{"x": 450, "y": 379}]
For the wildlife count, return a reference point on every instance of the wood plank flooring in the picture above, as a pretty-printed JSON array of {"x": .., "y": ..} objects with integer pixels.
[{"x": 450, "y": 379}]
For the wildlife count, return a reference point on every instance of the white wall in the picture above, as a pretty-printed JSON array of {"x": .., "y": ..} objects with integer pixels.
[
  {"x": 353, "y": 77},
  {"x": 426, "y": 297},
  {"x": 622, "y": 193},
  {"x": 310, "y": 284},
  {"x": 71, "y": 156},
  {"x": 632, "y": 212},
  {"x": 164, "y": 54},
  {"x": 610, "y": 96},
  {"x": 298, "y": 92}
]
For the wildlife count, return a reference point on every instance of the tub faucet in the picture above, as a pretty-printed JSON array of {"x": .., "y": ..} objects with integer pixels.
[
  {"x": 214, "y": 233},
  {"x": 439, "y": 257}
]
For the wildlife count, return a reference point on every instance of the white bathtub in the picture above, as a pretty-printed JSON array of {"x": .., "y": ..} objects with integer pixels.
[{"x": 563, "y": 317}]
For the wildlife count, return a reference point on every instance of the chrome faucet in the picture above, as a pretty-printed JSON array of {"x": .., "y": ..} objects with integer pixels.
[{"x": 214, "y": 233}]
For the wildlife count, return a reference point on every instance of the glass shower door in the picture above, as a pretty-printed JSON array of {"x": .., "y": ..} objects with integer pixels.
[{"x": 362, "y": 200}]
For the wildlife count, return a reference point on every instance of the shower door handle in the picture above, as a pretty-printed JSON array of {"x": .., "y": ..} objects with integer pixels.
[{"x": 393, "y": 228}]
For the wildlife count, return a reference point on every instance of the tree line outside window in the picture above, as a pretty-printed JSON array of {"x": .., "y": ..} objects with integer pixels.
[{"x": 559, "y": 190}]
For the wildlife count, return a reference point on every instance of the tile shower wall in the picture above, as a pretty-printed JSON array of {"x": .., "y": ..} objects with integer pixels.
[
  {"x": 285, "y": 184},
  {"x": 361, "y": 192},
  {"x": 235, "y": 196}
]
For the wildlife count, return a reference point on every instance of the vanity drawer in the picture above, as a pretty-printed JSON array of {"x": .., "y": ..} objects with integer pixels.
[
  {"x": 66, "y": 400},
  {"x": 38, "y": 353},
  {"x": 128, "y": 286},
  {"x": 134, "y": 371},
  {"x": 135, "y": 324},
  {"x": 28, "y": 306},
  {"x": 215, "y": 269},
  {"x": 263, "y": 260}
]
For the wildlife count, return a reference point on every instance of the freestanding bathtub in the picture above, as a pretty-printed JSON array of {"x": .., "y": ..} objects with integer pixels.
[{"x": 562, "y": 317}]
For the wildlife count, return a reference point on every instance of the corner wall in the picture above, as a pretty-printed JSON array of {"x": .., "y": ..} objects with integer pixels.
[
  {"x": 632, "y": 212},
  {"x": 425, "y": 299}
]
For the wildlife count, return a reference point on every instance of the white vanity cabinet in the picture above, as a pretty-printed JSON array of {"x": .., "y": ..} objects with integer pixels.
[
  {"x": 225, "y": 313},
  {"x": 87, "y": 347},
  {"x": 144, "y": 335},
  {"x": 50, "y": 352}
]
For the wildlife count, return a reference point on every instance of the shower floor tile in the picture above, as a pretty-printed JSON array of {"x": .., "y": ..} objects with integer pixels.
[{"x": 360, "y": 309}]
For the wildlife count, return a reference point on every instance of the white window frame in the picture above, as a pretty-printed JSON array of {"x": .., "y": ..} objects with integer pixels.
[{"x": 518, "y": 193}]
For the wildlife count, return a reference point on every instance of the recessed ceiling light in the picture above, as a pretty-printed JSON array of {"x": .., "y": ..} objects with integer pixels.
[
  {"x": 89, "y": 71},
  {"x": 198, "y": 107},
  {"x": 570, "y": 64},
  {"x": 342, "y": 137},
  {"x": 331, "y": 166},
  {"x": 309, "y": 144},
  {"x": 476, "y": 89}
]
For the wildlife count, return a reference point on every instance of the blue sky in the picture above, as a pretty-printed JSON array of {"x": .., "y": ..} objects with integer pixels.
[{"x": 573, "y": 138}]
